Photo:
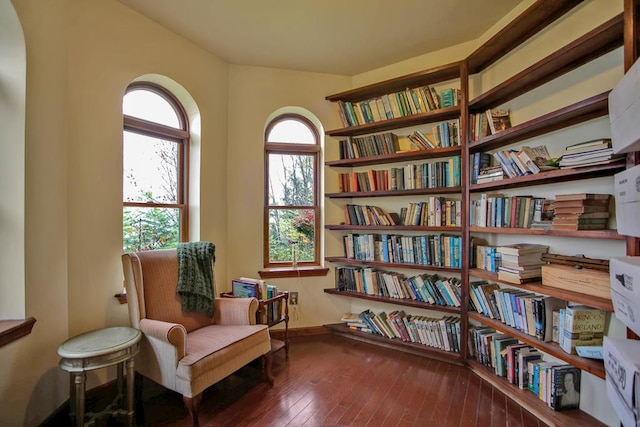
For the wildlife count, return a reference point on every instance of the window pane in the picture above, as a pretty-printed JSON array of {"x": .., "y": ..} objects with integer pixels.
[
  {"x": 291, "y": 234},
  {"x": 150, "y": 228},
  {"x": 291, "y": 131},
  {"x": 150, "y": 169},
  {"x": 291, "y": 180},
  {"x": 150, "y": 106}
]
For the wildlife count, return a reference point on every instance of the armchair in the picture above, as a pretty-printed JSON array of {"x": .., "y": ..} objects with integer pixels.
[{"x": 188, "y": 352}]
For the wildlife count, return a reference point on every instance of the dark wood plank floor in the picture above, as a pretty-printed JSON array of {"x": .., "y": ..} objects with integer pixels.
[{"x": 335, "y": 381}]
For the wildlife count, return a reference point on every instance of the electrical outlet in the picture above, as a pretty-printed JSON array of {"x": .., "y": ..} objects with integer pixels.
[{"x": 293, "y": 298}]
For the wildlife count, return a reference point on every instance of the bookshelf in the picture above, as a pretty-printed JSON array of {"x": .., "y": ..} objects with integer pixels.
[{"x": 593, "y": 44}]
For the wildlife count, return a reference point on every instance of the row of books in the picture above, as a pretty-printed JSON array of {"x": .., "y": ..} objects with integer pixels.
[
  {"x": 428, "y": 288},
  {"x": 589, "y": 153},
  {"x": 435, "y": 250},
  {"x": 369, "y": 215},
  {"x": 368, "y": 146},
  {"x": 555, "y": 383},
  {"x": 522, "y": 310},
  {"x": 398, "y": 104},
  {"x": 434, "y": 212},
  {"x": 443, "y": 333},
  {"x": 488, "y": 123},
  {"x": 498, "y": 210},
  {"x": 439, "y": 174}
]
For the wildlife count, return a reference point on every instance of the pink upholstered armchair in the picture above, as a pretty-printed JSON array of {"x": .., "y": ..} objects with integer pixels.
[{"x": 188, "y": 352}]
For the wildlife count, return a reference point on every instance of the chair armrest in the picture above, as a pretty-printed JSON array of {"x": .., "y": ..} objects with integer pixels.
[
  {"x": 235, "y": 311},
  {"x": 171, "y": 333}
]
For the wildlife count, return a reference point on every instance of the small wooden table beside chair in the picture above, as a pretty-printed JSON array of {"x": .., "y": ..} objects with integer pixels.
[{"x": 188, "y": 351}]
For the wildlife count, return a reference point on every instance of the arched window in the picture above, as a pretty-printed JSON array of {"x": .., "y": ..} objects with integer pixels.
[
  {"x": 292, "y": 209},
  {"x": 154, "y": 169}
]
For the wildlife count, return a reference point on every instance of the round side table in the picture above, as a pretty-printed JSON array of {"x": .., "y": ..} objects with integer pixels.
[{"x": 100, "y": 349}]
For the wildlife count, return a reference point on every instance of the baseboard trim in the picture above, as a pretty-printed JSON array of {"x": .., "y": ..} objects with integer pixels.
[{"x": 299, "y": 332}]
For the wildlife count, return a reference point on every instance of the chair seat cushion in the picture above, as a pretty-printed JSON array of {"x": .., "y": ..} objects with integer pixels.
[{"x": 215, "y": 345}]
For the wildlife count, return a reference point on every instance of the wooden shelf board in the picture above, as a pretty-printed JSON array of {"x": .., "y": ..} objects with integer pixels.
[
  {"x": 538, "y": 287},
  {"x": 343, "y": 260},
  {"x": 397, "y": 157},
  {"x": 347, "y": 227},
  {"x": 396, "y": 344},
  {"x": 554, "y": 176},
  {"x": 433, "y": 75},
  {"x": 579, "y": 112},
  {"x": 531, "y": 402},
  {"x": 395, "y": 301},
  {"x": 582, "y": 234},
  {"x": 595, "y": 367},
  {"x": 398, "y": 122},
  {"x": 524, "y": 26},
  {"x": 394, "y": 193},
  {"x": 595, "y": 43}
]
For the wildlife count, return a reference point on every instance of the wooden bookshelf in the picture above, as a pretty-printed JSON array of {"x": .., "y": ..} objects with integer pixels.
[
  {"x": 581, "y": 234},
  {"x": 592, "y": 45},
  {"x": 579, "y": 112},
  {"x": 392, "y": 228},
  {"x": 390, "y": 265}
]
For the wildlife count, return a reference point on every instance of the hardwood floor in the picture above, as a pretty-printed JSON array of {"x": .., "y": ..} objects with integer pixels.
[{"x": 334, "y": 381}]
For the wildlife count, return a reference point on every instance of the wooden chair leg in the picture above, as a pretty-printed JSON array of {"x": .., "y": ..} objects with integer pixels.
[
  {"x": 193, "y": 406},
  {"x": 139, "y": 402},
  {"x": 267, "y": 363}
]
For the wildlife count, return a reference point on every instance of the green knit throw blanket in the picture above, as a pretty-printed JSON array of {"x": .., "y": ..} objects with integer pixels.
[{"x": 195, "y": 276}]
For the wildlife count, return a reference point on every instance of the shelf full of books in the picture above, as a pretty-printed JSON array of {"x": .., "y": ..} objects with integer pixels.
[
  {"x": 425, "y": 290},
  {"x": 421, "y": 251}
]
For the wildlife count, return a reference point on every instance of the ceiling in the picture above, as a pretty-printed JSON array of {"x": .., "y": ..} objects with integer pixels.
[{"x": 344, "y": 37}]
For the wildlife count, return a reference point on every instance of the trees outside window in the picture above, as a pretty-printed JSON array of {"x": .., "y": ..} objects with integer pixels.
[
  {"x": 292, "y": 213},
  {"x": 155, "y": 149}
]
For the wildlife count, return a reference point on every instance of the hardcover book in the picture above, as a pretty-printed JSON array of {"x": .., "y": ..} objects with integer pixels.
[
  {"x": 582, "y": 326},
  {"x": 565, "y": 390}
]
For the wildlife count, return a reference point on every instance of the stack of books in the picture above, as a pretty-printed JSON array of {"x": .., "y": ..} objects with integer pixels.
[
  {"x": 584, "y": 211},
  {"x": 520, "y": 262},
  {"x": 589, "y": 153}
]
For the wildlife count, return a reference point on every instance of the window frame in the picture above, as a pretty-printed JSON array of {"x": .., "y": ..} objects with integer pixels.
[
  {"x": 180, "y": 136},
  {"x": 313, "y": 150}
]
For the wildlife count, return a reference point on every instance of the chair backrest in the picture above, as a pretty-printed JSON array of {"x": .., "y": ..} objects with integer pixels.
[{"x": 151, "y": 278}]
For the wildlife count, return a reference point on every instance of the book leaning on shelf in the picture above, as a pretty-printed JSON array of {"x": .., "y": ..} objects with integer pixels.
[
  {"x": 442, "y": 333},
  {"x": 427, "y": 288}
]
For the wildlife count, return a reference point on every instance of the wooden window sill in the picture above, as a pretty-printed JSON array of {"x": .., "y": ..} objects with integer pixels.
[
  {"x": 11, "y": 330},
  {"x": 285, "y": 272}
]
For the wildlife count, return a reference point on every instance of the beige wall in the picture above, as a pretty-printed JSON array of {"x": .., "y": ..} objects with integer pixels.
[
  {"x": 254, "y": 94},
  {"x": 80, "y": 57}
]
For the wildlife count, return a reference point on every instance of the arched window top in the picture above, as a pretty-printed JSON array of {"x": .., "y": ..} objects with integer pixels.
[
  {"x": 291, "y": 130},
  {"x": 151, "y": 105}
]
